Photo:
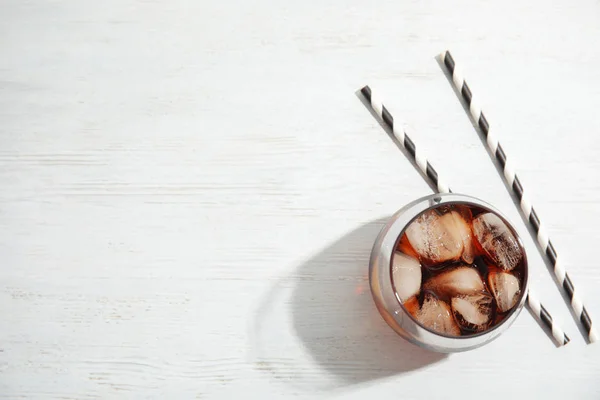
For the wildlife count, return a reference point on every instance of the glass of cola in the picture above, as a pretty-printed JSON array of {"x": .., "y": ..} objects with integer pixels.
[{"x": 448, "y": 272}]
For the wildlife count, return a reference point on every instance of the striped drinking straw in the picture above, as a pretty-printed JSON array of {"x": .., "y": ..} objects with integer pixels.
[
  {"x": 527, "y": 210},
  {"x": 537, "y": 310}
]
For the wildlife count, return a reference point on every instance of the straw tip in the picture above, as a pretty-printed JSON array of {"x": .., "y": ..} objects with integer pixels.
[
  {"x": 448, "y": 61},
  {"x": 366, "y": 91},
  {"x": 593, "y": 336}
]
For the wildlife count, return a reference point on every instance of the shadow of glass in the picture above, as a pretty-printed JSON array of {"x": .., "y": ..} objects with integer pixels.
[{"x": 345, "y": 341}]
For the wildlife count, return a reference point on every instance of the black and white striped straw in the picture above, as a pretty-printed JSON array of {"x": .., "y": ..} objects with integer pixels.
[
  {"x": 527, "y": 209},
  {"x": 538, "y": 311},
  {"x": 417, "y": 157}
]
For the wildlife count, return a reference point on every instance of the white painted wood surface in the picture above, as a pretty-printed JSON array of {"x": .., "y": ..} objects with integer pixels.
[{"x": 190, "y": 190}]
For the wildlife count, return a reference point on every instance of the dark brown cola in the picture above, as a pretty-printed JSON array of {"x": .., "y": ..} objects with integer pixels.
[{"x": 458, "y": 269}]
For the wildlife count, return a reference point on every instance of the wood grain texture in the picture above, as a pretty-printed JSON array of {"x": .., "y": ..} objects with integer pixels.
[{"x": 190, "y": 190}]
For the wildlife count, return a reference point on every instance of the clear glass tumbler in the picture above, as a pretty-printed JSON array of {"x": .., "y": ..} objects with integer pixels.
[{"x": 390, "y": 307}]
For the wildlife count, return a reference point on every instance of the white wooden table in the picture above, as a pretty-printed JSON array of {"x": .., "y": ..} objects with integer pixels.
[{"x": 190, "y": 190}]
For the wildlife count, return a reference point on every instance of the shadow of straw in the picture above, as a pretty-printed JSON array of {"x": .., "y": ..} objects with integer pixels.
[
  {"x": 516, "y": 201},
  {"x": 335, "y": 320}
]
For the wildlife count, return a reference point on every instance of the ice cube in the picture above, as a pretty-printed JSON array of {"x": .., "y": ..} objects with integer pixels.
[
  {"x": 473, "y": 312},
  {"x": 497, "y": 241},
  {"x": 405, "y": 247},
  {"x": 436, "y": 315},
  {"x": 412, "y": 306},
  {"x": 462, "y": 220},
  {"x": 462, "y": 280},
  {"x": 406, "y": 274},
  {"x": 435, "y": 237},
  {"x": 506, "y": 289}
]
